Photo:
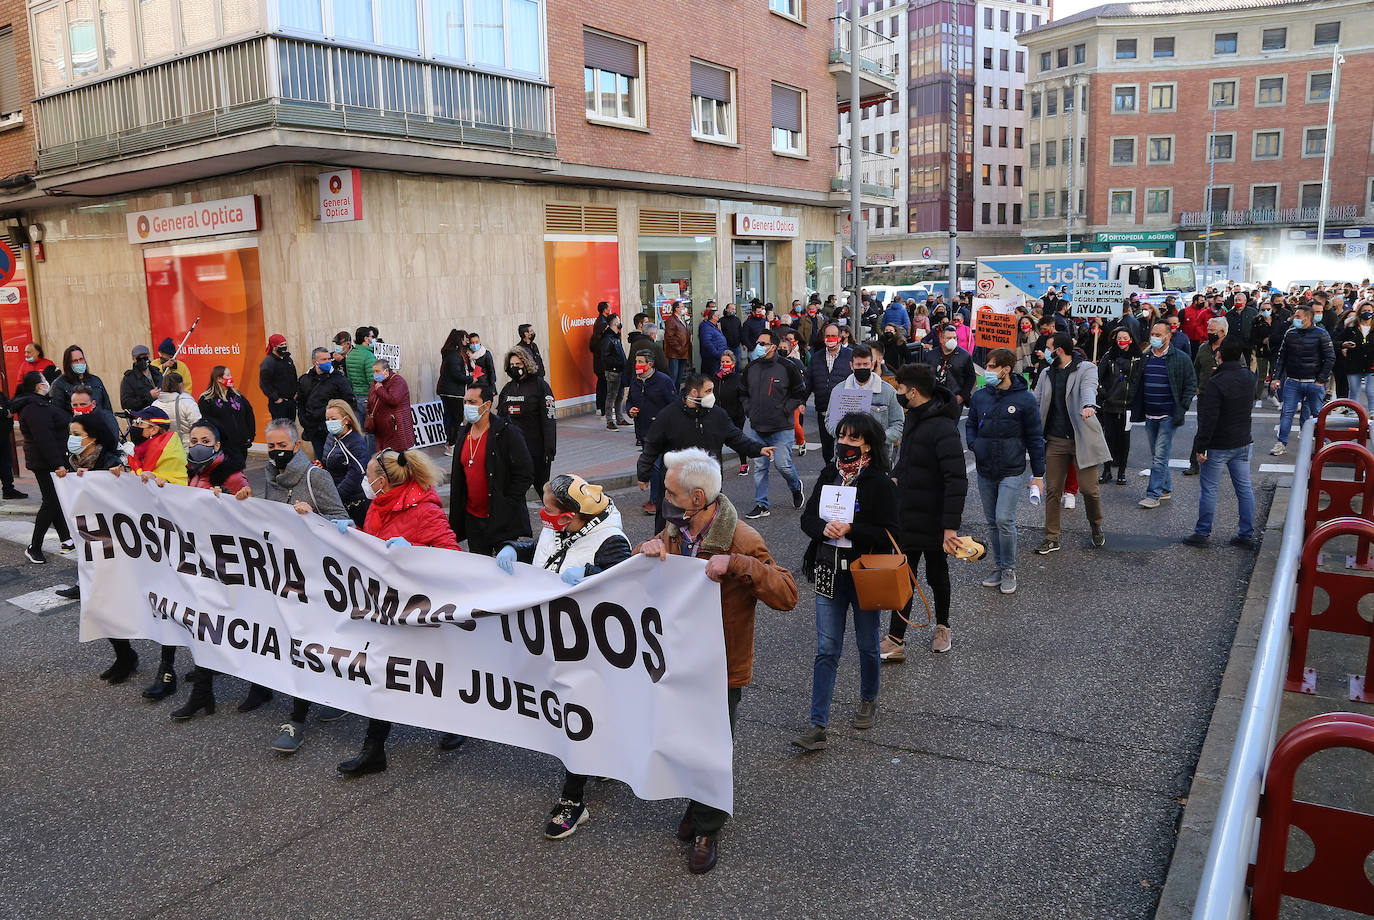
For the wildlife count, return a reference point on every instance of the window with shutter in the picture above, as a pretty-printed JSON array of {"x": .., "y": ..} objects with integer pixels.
[
  {"x": 611, "y": 78},
  {"x": 788, "y": 120},
  {"x": 11, "y": 99},
  {"x": 713, "y": 116}
]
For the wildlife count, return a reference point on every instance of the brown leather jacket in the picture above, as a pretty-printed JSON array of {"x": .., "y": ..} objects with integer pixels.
[
  {"x": 753, "y": 576},
  {"x": 677, "y": 341}
]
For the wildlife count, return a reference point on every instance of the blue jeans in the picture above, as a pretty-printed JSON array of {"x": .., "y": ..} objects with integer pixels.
[
  {"x": 830, "y": 619},
  {"x": 1000, "y": 498},
  {"x": 677, "y": 369},
  {"x": 1160, "y": 432},
  {"x": 782, "y": 440},
  {"x": 1237, "y": 463},
  {"x": 1365, "y": 382},
  {"x": 1293, "y": 394}
]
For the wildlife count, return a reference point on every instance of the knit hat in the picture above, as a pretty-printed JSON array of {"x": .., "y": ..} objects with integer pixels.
[
  {"x": 275, "y": 340},
  {"x": 588, "y": 498},
  {"x": 167, "y": 347}
]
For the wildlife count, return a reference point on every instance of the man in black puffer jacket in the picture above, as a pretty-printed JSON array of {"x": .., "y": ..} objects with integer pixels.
[
  {"x": 1223, "y": 440},
  {"x": 931, "y": 484}
]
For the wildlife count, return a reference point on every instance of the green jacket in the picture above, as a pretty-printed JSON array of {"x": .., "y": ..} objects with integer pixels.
[{"x": 358, "y": 366}]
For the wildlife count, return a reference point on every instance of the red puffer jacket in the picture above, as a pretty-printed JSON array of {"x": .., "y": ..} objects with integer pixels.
[
  {"x": 388, "y": 414},
  {"x": 411, "y": 512}
]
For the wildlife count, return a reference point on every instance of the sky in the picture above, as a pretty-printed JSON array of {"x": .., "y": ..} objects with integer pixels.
[{"x": 1064, "y": 8}]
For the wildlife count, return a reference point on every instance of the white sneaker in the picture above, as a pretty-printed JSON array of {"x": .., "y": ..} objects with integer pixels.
[
  {"x": 1068, "y": 501},
  {"x": 1259, "y": 404},
  {"x": 1277, "y": 450}
]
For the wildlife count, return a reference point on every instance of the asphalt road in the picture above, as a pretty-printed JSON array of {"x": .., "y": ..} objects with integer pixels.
[{"x": 1036, "y": 771}]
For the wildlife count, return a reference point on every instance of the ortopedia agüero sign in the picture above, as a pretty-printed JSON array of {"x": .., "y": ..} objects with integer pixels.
[
  {"x": 207, "y": 218},
  {"x": 621, "y": 676},
  {"x": 1098, "y": 298}
]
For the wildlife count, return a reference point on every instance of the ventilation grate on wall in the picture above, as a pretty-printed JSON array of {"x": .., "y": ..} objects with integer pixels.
[
  {"x": 676, "y": 223},
  {"x": 567, "y": 217}
]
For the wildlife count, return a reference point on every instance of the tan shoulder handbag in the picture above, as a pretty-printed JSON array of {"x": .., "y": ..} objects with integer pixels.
[{"x": 884, "y": 581}]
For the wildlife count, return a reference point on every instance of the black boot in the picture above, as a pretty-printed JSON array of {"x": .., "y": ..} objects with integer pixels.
[
  {"x": 372, "y": 759},
  {"x": 202, "y": 696},
  {"x": 125, "y": 663},
  {"x": 1121, "y": 477},
  {"x": 163, "y": 686},
  {"x": 255, "y": 698},
  {"x": 1106, "y": 473}
]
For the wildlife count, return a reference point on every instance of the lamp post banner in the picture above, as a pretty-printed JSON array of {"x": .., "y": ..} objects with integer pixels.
[{"x": 621, "y": 676}]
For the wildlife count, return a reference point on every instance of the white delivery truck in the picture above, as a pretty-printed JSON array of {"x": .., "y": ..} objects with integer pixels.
[{"x": 1153, "y": 277}]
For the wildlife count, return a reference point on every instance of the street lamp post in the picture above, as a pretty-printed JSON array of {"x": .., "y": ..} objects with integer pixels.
[
  {"x": 953, "y": 164},
  {"x": 856, "y": 235},
  {"x": 1211, "y": 185},
  {"x": 1336, "y": 61}
]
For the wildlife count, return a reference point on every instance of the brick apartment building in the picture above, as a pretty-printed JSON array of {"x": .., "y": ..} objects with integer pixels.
[
  {"x": 516, "y": 161},
  {"x": 1126, "y": 95}
]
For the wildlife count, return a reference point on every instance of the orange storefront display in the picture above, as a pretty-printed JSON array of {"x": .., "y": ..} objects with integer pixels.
[
  {"x": 581, "y": 271},
  {"x": 220, "y": 283},
  {"x": 16, "y": 326}
]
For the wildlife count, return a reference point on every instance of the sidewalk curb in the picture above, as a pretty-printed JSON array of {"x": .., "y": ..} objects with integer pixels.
[{"x": 1204, "y": 797}]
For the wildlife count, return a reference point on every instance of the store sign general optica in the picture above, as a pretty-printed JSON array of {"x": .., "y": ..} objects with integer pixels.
[
  {"x": 185, "y": 221},
  {"x": 766, "y": 225},
  {"x": 341, "y": 196}
]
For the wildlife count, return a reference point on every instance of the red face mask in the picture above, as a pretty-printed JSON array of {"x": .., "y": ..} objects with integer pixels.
[
  {"x": 227, "y": 380},
  {"x": 831, "y": 341},
  {"x": 83, "y": 410},
  {"x": 550, "y": 520}
]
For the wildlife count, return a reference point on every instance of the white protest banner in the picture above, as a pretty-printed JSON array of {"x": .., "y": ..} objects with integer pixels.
[
  {"x": 622, "y": 676},
  {"x": 1098, "y": 298},
  {"x": 385, "y": 351},
  {"x": 428, "y": 420}
]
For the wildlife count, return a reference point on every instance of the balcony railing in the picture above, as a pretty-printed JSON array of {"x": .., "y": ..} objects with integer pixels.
[
  {"x": 272, "y": 81},
  {"x": 877, "y": 52},
  {"x": 875, "y": 173},
  {"x": 1265, "y": 216}
]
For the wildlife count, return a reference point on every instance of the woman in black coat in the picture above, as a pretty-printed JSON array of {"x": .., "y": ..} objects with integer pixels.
[
  {"x": 932, "y": 482},
  {"x": 860, "y": 463},
  {"x": 728, "y": 397},
  {"x": 43, "y": 425},
  {"x": 1116, "y": 372},
  {"x": 453, "y": 381},
  {"x": 232, "y": 414}
]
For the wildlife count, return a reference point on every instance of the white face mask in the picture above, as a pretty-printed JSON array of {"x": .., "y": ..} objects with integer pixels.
[
  {"x": 368, "y": 491},
  {"x": 708, "y": 401}
]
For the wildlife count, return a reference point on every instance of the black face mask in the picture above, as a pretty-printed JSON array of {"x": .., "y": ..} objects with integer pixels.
[
  {"x": 848, "y": 453},
  {"x": 903, "y": 400},
  {"x": 515, "y": 373},
  {"x": 281, "y": 459},
  {"x": 861, "y": 374},
  {"x": 141, "y": 364},
  {"x": 283, "y": 353},
  {"x": 1213, "y": 338},
  {"x": 1366, "y": 316},
  {"x": 199, "y": 456}
]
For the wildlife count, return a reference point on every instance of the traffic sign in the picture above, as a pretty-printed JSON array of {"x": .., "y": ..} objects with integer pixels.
[
  {"x": 8, "y": 263},
  {"x": 1098, "y": 298},
  {"x": 926, "y": 253}
]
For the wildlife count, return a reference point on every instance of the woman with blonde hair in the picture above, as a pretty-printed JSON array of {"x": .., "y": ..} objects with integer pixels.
[
  {"x": 231, "y": 412},
  {"x": 179, "y": 405},
  {"x": 406, "y": 511},
  {"x": 345, "y": 457}
]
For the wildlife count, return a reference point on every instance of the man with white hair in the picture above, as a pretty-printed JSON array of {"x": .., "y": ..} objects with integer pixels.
[
  {"x": 702, "y": 523},
  {"x": 1206, "y": 362}
]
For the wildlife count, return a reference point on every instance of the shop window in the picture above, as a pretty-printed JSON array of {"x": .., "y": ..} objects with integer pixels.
[
  {"x": 677, "y": 268},
  {"x": 789, "y": 120},
  {"x": 820, "y": 264},
  {"x": 611, "y": 78},
  {"x": 713, "y": 115}
]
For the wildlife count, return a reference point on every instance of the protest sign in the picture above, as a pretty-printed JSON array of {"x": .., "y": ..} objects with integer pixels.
[
  {"x": 428, "y": 420},
  {"x": 846, "y": 400},
  {"x": 994, "y": 321},
  {"x": 1098, "y": 298},
  {"x": 386, "y": 351},
  {"x": 621, "y": 676}
]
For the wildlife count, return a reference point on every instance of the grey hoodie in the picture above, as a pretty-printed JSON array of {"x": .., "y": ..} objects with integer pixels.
[{"x": 290, "y": 486}]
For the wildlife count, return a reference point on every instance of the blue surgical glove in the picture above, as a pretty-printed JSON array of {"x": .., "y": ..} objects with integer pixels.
[
  {"x": 343, "y": 525},
  {"x": 506, "y": 559},
  {"x": 574, "y": 576},
  {"x": 397, "y": 541}
]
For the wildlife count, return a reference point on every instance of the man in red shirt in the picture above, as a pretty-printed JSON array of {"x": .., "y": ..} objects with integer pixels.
[{"x": 492, "y": 471}]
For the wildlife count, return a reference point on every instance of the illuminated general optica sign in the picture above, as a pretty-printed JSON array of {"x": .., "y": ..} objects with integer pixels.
[
  {"x": 766, "y": 225},
  {"x": 341, "y": 196},
  {"x": 206, "y": 218}
]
